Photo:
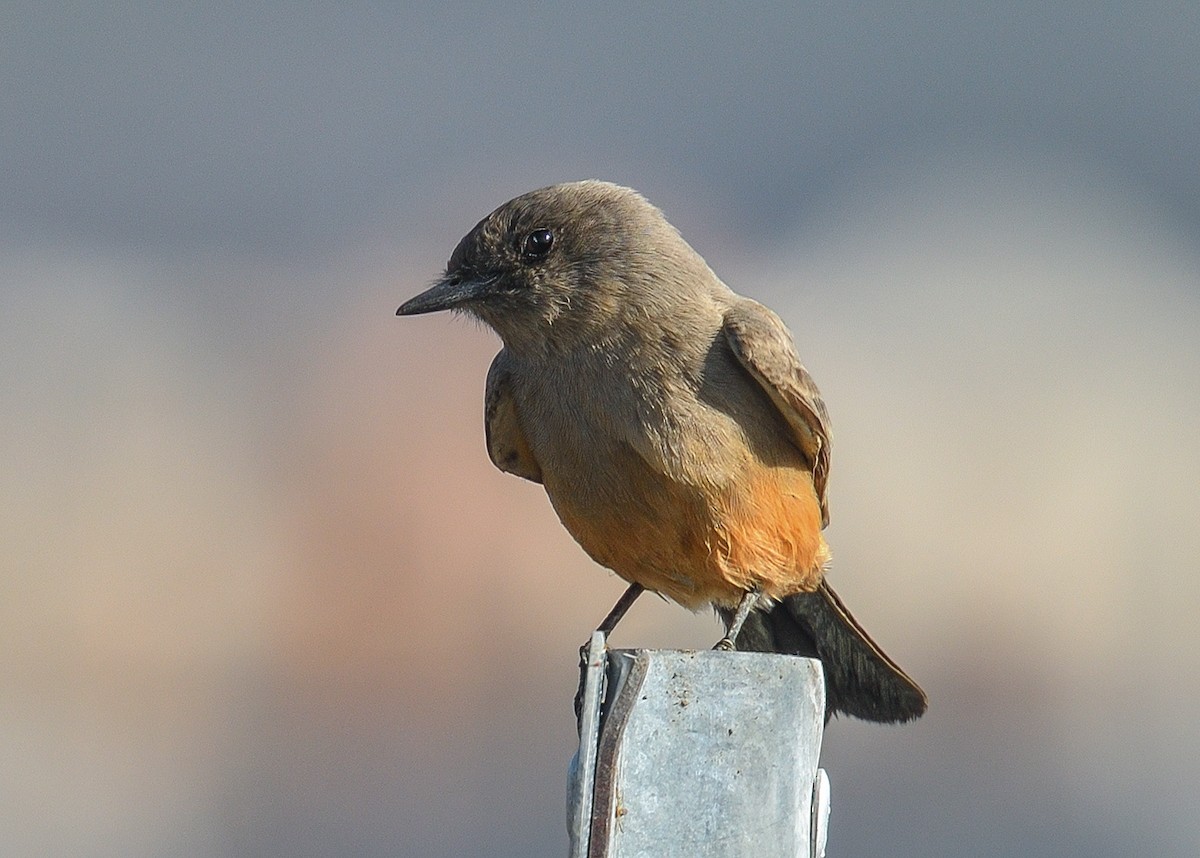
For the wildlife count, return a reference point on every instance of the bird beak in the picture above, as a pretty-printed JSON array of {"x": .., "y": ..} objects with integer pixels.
[{"x": 448, "y": 293}]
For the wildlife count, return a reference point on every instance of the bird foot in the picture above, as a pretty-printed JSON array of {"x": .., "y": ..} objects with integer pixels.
[
  {"x": 583, "y": 668},
  {"x": 725, "y": 645}
]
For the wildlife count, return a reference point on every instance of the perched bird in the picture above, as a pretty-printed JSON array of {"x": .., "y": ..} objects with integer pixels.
[{"x": 677, "y": 435}]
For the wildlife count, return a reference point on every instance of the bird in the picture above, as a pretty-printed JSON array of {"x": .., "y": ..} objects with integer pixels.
[{"x": 679, "y": 438}]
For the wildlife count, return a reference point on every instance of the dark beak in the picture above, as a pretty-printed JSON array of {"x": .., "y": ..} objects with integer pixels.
[{"x": 448, "y": 293}]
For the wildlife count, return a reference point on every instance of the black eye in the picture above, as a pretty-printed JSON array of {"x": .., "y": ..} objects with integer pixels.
[{"x": 537, "y": 244}]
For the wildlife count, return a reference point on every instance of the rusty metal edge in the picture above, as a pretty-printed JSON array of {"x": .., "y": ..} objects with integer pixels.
[{"x": 604, "y": 798}]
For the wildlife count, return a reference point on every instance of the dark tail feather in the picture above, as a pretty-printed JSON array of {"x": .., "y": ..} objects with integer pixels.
[{"x": 860, "y": 680}]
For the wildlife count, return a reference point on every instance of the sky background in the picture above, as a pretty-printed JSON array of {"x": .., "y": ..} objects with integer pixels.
[{"x": 261, "y": 591}]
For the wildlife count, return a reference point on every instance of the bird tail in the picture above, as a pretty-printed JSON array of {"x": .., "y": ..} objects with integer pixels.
[{"x": 860, "y": 679}]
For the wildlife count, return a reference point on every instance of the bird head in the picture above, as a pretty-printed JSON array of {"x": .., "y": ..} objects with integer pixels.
[{"x": 562, "y": 264}]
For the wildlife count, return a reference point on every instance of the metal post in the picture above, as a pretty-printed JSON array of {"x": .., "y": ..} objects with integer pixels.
[{"x": 698, "y": 755}]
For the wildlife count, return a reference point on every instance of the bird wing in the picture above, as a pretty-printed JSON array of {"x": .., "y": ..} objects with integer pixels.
[
  {"x": 763, "y": 346},
  {"x": 506, "y": 442}
]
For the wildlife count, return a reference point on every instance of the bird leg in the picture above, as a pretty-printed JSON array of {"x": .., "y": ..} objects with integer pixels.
[
  {"x": 749, "y": 599},
  {"x": 607, "y": 625},
  {"x": 623, "y": 605},
  {"x": 614, "y": 616}
]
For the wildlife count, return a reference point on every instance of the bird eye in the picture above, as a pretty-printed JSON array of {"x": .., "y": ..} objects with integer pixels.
[{"x": 537, "y": 244}]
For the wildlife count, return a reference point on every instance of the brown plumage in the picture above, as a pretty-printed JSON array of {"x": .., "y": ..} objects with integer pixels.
[{"x": 676, "y": 433}]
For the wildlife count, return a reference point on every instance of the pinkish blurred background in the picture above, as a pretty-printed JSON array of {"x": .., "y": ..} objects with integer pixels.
[{"x": 264, "y": 595}]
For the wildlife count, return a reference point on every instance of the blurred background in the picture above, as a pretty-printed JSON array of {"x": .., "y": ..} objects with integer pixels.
[{"x": 261, "y": 591}]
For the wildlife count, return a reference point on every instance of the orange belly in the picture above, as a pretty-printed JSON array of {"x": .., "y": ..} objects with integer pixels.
[{"x": 700, "y": 546}]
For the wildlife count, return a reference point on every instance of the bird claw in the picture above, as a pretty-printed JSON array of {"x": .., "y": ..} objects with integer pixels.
[
  {"x": 725, "y": 645},
  {"x": 584, "y": 653}
]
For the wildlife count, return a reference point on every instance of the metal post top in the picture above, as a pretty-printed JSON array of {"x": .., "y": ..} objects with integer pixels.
[{"x": 699, "y": 753}]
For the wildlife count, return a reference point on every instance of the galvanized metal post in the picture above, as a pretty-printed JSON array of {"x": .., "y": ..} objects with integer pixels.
[{"x": 698, "y": 755}]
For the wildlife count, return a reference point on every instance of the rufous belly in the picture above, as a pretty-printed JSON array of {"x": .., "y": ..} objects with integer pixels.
[{"x": 702, "y": 544}]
